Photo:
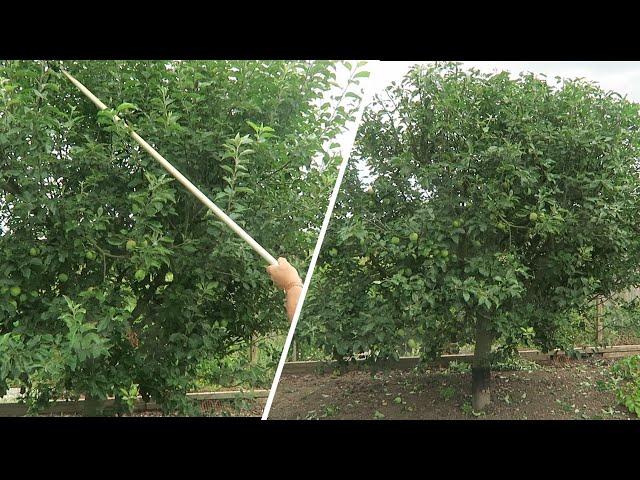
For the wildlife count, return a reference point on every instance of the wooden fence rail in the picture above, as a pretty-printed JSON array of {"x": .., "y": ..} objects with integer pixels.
[
  {"x": 74, "y": 407},
  {"x": 406, "y": 363}
]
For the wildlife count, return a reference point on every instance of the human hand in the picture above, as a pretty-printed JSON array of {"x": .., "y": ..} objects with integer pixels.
[{"x": 284, "y": 275}]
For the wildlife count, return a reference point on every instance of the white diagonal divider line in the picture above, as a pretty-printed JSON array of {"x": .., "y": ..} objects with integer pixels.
[
  {"x": 316, "y": 252},
  {"x": 174, "y": 172}
]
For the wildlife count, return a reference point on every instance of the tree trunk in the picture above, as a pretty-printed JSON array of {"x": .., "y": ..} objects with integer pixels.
[
  {"x": 481, "y": 367},
  {"x": 90, "y": 406}
]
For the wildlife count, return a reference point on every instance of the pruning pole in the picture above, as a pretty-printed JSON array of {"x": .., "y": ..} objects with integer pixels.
[{"x": 178, "y": 176}]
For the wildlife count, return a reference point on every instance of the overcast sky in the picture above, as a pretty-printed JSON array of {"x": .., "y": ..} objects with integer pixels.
[{"x": 622, "y": 77}]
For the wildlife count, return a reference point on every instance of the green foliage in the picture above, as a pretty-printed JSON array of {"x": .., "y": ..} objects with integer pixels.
[
  {"x": 515, "y": 362},
  {"x": 523, "y": 194},
  {"x": 467, "y": 409},
  {"x": 457, "y": 367},
  {"x": 129, "y": 396},
  {"x": 621, "y": 322},
  {"x": 626, "y": 378},
  {"x": 447, "y": 393},
  {"x": 236, "y": 370},
  {"x": 169, "y": 284}
]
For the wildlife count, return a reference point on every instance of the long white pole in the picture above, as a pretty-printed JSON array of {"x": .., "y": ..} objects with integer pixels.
[
  {"x": 181, "y": 178},
  {"x": 346, "y": 153}
]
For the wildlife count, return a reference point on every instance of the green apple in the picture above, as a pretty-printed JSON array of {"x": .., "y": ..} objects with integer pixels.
[
  {"x": 15, "y": 291},
  {"x": 444, "y": 253},
  {"x": 140, "y": 274},
  {"x": 457, "y": 224},
  {"x": 33, "y": 251},
  {"x": 131, "y": 244},
  {"x": 533, "y": 216},
  {"x": 63, "y": 277},
  {"x": 90, "y": 255},
  {"x": 395, "y": 240},
  {"x": 413, "y": 237},
  {"x": 333, "y": 252}
]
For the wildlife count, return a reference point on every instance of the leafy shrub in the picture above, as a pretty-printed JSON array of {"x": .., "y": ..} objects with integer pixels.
[
  {"x": 236, "y": 369},
  {"x": 626, "y": 377}
]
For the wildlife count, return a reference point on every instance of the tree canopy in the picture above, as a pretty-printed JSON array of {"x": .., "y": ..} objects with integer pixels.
[
  {"x": 112, "y": 276},
  {"x": 479, "y": 208}
]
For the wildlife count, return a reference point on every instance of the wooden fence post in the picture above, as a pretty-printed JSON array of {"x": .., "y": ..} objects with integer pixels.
[
  {"x": 600, "y": 322},
  {"x": 253, "y": 350}
]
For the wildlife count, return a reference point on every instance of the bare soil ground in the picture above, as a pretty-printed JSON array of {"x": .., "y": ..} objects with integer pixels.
[{"x": 571, "y": 390}]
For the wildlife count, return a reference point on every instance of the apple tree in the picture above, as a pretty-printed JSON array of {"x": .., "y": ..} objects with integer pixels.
[
  {"x": 113, "y": 278},
  {"x": 479, "y": 208}
]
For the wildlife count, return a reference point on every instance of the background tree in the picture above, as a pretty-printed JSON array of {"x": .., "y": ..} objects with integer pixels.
[
  {"x": 113, "y": 278},
  {"x": 478, "y": 209}
]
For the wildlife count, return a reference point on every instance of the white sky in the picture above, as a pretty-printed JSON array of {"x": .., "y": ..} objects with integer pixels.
[{"x": 622, "y": 77}]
